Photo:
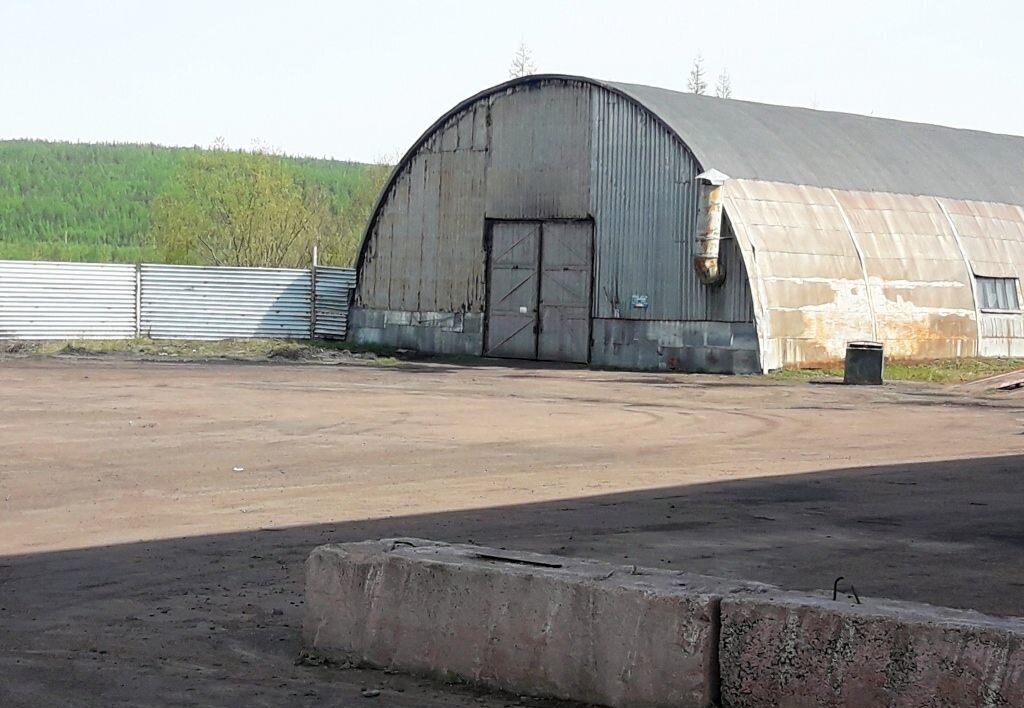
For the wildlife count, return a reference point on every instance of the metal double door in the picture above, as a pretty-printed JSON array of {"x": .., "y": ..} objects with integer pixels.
[{"x": 539, "y": 282}]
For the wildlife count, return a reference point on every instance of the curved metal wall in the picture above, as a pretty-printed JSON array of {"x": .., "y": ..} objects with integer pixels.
[
  {"x": 831, "y": 266},
  {"x": 644, "y": 204},
  {"x": 552, "y": 149}
]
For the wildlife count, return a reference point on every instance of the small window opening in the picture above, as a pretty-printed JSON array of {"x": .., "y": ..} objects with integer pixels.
[{"x": 997, "y": 294}]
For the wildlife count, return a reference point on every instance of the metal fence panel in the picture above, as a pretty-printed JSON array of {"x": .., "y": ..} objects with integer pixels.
[
  {"x": 199, "y": 302},
  {"x": 43, "y": 300},
  {"x": 333, "y": 286}
]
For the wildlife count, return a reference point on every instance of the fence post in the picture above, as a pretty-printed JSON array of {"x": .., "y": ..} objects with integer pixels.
[
  {"x": 312, "y": 293},
  {"x": 138, "y": 300}
]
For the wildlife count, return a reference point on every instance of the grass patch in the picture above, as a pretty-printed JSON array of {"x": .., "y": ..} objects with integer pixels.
[
  {"x": 945, "y": 371},
  {"x": 187, "y": 349}
]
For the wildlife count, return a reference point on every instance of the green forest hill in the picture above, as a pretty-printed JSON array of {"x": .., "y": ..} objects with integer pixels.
[{"x": 85, "y": 202}]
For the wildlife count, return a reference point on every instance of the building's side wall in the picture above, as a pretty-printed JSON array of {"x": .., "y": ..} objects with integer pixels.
[
  {"x": 992, "y": 237},
  {"x": 644, "y": 202},
  {"x": 555, "y": 151},
  {"x": 831, "y": 266},
  {"x": 521, "y": 154},
  {"x": 809, "y": 289},
  {"x": 921, "y": 293}
]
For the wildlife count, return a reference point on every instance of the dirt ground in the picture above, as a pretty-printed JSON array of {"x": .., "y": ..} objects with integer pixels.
[{"x": 154, "y": 517}]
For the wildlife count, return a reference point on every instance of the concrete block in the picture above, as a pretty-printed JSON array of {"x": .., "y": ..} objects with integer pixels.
[
  {"x": 370, "y": 319},
  {"x": 744, "y": 336},
  {"x": 719, "y": 334},
  {"x": 693, "y": 334},
  {"x": 718, "y": 361},
  {"x": 398, "y": 318},
  {"x": 676, "y": 358},
  {"x": 696, "y": 360},
  {"x": 745, "y": 361},
  {"x": 798, "y": 651},
  {"x": 365, "y": 335},
  {"x": 472, "y": 323},
  {"x": 527, "y": 623}
]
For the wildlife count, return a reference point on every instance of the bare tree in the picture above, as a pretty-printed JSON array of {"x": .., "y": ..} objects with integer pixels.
[
  {"x": 696, "y": 83},
  {"x": 522, "y": 63},
  {"x": 723, "y": 89}
]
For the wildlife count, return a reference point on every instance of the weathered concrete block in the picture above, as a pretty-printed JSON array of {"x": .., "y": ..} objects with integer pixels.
[
  {"x": 719, "y": 334},
  {"x": 797, "y": 651},
  {"x": 362, "y": 318},
  {"x": 744, "y": 336},
  {"x": 745, "y": 361},
  {"x": 718, "y": 361},
  {"x": 527, "y": 623}
]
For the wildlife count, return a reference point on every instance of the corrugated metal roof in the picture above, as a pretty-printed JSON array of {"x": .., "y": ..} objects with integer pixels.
[
  {"x": 758, "y": 141},
  {"x": 840, "y": 150}
]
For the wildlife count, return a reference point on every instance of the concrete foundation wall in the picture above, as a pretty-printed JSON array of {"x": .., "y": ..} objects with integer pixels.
[
  {"x": 805, "y": 652},
  {"x": 542, "y": 625},
  {"x": 694, "y": 347},
  {"x": 428, "y": 332},
  {"x": 633, "y": 637}
]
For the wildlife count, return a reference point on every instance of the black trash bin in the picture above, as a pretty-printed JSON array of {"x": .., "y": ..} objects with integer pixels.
[{"x": 865, "y": 362}]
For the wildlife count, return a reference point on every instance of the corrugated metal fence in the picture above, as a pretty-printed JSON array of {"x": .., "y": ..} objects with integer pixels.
[
  {"x": 186, "y": 302},
  {"x": 66, "y": 300},
  {"x": 330, "y": 306},
  {"x": 111, "y": 301}
]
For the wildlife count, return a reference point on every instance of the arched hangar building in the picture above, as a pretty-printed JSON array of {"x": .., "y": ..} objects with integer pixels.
[{"x": 568, "y": 219}]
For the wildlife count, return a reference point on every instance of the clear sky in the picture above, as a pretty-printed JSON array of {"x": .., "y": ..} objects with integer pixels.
[{"x": 361, "y": 80}]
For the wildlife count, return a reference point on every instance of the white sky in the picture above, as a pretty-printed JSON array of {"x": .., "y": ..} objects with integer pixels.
[{"x": 361, "y": 80}]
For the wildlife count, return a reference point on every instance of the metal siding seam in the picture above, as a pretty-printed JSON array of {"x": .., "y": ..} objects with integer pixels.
[
  {"x": 138, "y": 299},
  {"x": 970, "y": 272},
  {"x": 312, "y": 295},
  {"x": 860, "y": 259}
]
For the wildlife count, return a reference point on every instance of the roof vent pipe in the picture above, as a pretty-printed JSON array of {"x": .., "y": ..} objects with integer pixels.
[{"x": 706, "y": 259}]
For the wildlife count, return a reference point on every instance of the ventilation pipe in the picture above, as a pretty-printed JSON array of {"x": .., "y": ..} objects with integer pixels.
[{"x": 706, "y": 260}]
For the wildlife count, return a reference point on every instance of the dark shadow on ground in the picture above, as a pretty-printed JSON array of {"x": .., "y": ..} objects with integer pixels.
[{"x": 214, "y": 620}]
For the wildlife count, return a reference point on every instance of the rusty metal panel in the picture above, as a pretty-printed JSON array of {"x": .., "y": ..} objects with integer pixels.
[
  {"x": 920, "y": 291},
  {"x": 810, "y": 292},
  {"x": 1002, "y": 335},
  {"x": 425, "y": 250},
  {"x": 332, "y": 288},
  {"x": 565, "y": 277},
  {"x": 992, "y": 236},
  {"x": 644, "y": 201},
  {"x": 538, "y": 164},
  {"x": 375, "y": 288},
  {"x": 428, "y": 200},
  {"x": 461, "y": 285},
  {"x": 512, "y": 305},
  {"x": 871, "y": 265}
]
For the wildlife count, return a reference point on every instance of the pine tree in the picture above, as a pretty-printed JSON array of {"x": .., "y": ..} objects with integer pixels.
[
  {"x": 522, "y": 63},
  {"x": 723, "y": 89},
  {"x": 696, "y": 83}
]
